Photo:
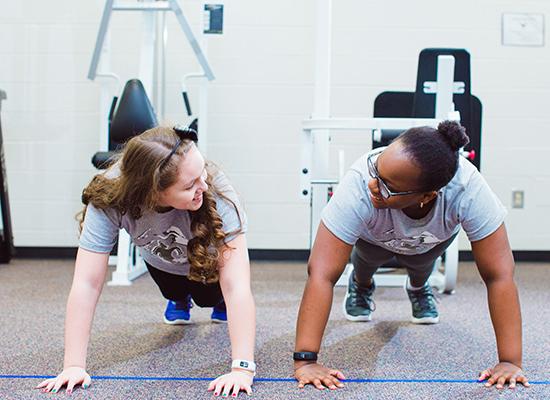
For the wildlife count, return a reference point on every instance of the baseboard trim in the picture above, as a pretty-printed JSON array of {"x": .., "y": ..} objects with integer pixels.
[
  {"x": 265, "y": 254},
  {"x": 45, "y": 252},
  {"x": 278, "y": 255}
]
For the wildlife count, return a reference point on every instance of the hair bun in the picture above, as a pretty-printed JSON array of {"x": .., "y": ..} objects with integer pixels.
[{"x": 454, "y": 134}]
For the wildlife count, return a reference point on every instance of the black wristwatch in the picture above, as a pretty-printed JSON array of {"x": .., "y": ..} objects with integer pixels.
[{"x": 305, "y": 356}]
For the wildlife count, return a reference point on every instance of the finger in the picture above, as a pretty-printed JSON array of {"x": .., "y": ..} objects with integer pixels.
[
  {"x": 50, "y": 385},
  {"x": 523, "y": 380},
  {"x": 248, "y": 389},
  {"x": 512, "y": 383},
  {"x": 336, "y": 382},
  {"x": 336, "y": 376},
  {"x": 317, "y": 383},
  {"x": 491, "y": 381},
  {"x": 327, "y": 381},
  {"x": 212, "y": 384},
  {"x": 483, "y": 375},
  {"x": 500, "y": 382},
  {"x": 302, "y": 383},
  {"x": 58, "y": 384},
  {"x": 70, "y": 385},
  {"x": 227, "y": 389},
  {"x": 86, "y": 382},
  {"x": 219, "y": 387},
  {"x": 236, "y": 390},
  {"x": 43, "y": 383}
]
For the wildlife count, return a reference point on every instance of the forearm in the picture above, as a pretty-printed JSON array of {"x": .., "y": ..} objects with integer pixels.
[
  {"x": 80, "y": 310},
  {"x": 506, "y": 317},
  {"x": 313, "y": 314},
  {"x": 241, "y": 320}
]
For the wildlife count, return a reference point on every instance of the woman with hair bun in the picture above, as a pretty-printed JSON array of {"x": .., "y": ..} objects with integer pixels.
[
  {"x": 185, "y": 218},
  {"x": 408, "y": 201}
]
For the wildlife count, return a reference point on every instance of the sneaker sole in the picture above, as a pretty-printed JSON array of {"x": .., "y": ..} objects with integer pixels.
[
  {"x": 177, "y": 322},
  {"x": 359, "y": 318},
  {"x": 425, "y": 320},
  {"x": 218, "y": 321}
]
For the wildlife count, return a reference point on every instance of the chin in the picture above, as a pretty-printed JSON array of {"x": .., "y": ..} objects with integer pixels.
[
  {"x": 195, "y": 206},
  {"x": 377, "y": 203}
]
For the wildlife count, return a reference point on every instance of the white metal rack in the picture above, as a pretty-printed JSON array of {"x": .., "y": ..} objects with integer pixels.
[
  {"x": 129, "y": 263},
  {"x": 316, "y": 133}
]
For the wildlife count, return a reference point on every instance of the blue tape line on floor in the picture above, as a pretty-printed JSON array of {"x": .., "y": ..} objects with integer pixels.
[{"x": 173, "y": 378}]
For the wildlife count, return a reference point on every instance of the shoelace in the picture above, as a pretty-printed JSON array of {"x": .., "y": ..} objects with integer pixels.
[
  {"x": 424, "y": 298},
  {"x": 359, "y": 297}
]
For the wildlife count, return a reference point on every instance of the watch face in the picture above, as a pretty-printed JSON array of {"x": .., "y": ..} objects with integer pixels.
[{"x": 244, "y": 364}]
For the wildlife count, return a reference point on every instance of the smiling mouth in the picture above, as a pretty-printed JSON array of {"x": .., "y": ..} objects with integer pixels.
[{"x": 377, "y": 200}]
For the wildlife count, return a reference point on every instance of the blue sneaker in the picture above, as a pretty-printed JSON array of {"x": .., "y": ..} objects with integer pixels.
[
  {"x": 178, "y": 312},
  {"x": 219, "y": 313}
]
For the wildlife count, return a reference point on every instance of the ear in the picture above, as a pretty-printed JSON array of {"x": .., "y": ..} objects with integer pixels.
[{"x": 428, "y": 196}]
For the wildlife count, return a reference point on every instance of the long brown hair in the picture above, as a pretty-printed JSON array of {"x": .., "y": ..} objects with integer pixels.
[{"x": 144, "y": 173}]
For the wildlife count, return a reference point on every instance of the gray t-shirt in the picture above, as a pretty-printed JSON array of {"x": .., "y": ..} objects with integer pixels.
[
  {"x": 465, "y": 201},
  {"x": 161, "y": 237}
]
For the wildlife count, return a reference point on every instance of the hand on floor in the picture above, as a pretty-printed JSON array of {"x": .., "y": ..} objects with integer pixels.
[
  {"x": 504, "y": 372},
  {"x": 231, "y": 384},
  {"x": 319, "y": 376},
  {"x": 70, "y": 376}
]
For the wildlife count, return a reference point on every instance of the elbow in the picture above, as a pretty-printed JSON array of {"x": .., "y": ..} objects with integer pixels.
[{"x": 320, "y": 276}]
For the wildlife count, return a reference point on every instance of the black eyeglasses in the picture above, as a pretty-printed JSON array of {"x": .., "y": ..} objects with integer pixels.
[
  {"x": 373, "y": 172},
  {"x": 184, "y": 133}
]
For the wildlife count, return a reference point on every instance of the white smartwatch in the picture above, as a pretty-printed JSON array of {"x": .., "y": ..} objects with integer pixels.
[{"x": 244, "y": 364}]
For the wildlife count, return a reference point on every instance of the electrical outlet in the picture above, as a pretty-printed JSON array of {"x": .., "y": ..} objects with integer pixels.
[{"x": 517, "y": 198}]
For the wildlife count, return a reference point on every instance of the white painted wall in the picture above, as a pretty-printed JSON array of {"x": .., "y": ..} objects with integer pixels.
[{"x": 264, "y": 88}]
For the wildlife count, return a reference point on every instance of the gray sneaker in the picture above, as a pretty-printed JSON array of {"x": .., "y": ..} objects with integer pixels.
[
  {"x": 424, "y": 309},
  {"x": 358, "y": 304}
]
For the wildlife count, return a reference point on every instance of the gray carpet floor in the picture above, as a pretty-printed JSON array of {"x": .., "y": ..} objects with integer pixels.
[{"x": 129, "y": 339}]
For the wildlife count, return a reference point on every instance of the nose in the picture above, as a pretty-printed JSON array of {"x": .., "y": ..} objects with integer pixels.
[
  {"x": 203, "y": 185},
  {"x": 373, "y": 187}
]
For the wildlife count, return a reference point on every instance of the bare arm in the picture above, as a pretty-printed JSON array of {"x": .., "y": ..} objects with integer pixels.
[
  {"x": 89, "y": 275},
  {"x": 328, "y": 259},
  {"x": 241, "y": 312},
  {"x": 241, "y": 317},
  {"x": 495, "y": 262}
]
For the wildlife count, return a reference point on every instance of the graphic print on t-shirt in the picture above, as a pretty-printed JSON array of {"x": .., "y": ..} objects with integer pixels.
[
  {"x": 420, "y": 243},
  {"x": 170, "y": 246}
]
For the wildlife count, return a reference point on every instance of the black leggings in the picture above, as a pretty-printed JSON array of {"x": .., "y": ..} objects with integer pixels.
[{"x": 178, "y": 287}]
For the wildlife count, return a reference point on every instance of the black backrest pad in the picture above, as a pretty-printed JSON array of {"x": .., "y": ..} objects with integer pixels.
[{"x": 133, "y": 116}]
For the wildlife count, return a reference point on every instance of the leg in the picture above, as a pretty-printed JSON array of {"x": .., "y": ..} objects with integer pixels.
[
  {"x": 177, "y": 289},
  {"x": 366, "y": 258},
  {"x": 173, "y": 287},
  {"x": 205, "y": 295},
  {"x": 419, "y": 268}
]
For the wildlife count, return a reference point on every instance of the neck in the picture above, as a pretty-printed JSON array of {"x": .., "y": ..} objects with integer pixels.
[
  {"x": 417, "y": 212},
  {"x": 163, "y": 209}
]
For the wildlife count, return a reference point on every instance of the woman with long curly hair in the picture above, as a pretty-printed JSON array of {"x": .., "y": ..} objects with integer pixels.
[{"x": 185, "y": 218}]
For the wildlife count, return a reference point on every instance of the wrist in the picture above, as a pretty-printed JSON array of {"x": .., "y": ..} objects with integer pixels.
[
  {"x": 516, "y": 363},
  {"x": 300, "y": 363},
  {"x": 74, "y": 366},
  {"x": 244, "y": 365},
  {"x": 244, "y": 371}
]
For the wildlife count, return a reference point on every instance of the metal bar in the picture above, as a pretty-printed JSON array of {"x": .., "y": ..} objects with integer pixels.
[
  {"x": 366, "y": 123},
  {"x": 138, "y": 6},
  {"x": 100, "y": 39},
  {"x": 445, "y": 80},
  {"x": 192, "y": 41}
]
